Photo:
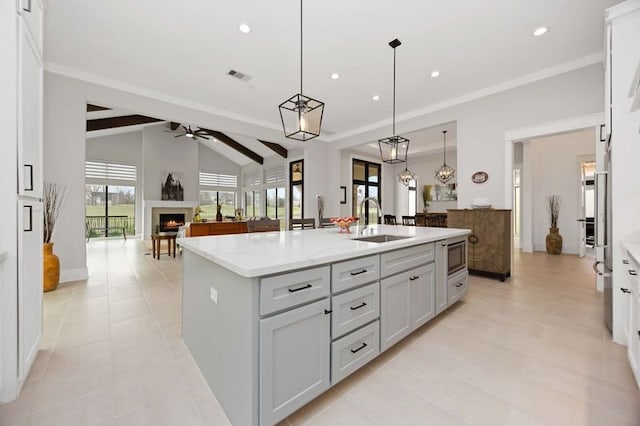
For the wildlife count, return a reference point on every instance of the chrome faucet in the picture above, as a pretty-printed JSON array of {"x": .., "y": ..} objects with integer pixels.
[{"x": 363, "y": 226}]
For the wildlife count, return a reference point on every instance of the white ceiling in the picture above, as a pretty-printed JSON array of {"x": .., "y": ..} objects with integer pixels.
[{"x": 183, "y": 49}]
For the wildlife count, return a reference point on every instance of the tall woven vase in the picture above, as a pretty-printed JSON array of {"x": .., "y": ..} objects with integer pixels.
[
  {"x": 51, "y": 270},
  {"x": 554, "y": 241}
]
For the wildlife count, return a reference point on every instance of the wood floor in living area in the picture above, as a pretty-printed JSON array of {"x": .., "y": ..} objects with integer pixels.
[{"x": 531, "y": 351}]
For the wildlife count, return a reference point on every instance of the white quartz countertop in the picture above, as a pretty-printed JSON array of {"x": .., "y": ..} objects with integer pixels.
[
  {"x": 633, "y": 248},
  {"x": 266, "y": 253}
]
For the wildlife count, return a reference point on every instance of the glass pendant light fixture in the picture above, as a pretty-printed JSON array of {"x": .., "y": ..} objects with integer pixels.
[
  {"x": 394, "y": 148},
  {"x": 301, "y": 115},
  {"x": 406, "y": 176},
  {"x": 445, "y": 173}
]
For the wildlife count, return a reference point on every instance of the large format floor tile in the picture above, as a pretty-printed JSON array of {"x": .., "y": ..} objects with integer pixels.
[{"x": 531, "y": 351}]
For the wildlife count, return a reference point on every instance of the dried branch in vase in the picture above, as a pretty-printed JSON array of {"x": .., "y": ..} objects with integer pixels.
[
  {"x": 54, "y": 196},
  {"x": 553, "y": 207}
]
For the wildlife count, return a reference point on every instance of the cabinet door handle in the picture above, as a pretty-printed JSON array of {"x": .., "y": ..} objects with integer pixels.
[
  {"x": 30, "y": 228},
  {"x": 625, "y": 290},
  {"x": 625, "y": 262},
  {"x": 459, "y": 284},
  {"x": 413, "y": 278},
  {"x": 30, "y": 167},
  {"x": 602, "y": 138},
  {"x": 362, "y": 305},
  {"x": 639, "y": 333},
  {"x": 293, "y": 290},
  {"x": 28, "y": 7},
  {"x": 632, "y": 272},
  {"x": 361, "y": 347},
  {"x": 359, "y": 272},
  {"x": 327, "y": 311},
  {"x": 473, "y": 239}
]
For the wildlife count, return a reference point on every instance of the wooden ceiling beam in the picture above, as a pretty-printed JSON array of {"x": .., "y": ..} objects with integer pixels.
[
  {"x": 277, "y": 148},
  {"x": 122, "y": 121},
  {"x": 92, "y": 108},
  {"x": 232, "y": 143}
]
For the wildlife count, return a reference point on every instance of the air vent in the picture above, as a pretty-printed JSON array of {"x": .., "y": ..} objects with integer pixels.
[{"x": 239, "y": 75}]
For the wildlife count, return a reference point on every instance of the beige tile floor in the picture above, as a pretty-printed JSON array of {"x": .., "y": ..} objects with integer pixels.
[{"x": 532, "y": 351}]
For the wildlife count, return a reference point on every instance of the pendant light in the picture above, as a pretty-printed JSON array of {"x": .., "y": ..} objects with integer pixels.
[
  {"x": 406, "y": 176},
  {"x": 394, "y": 148},
  {"x": 445, "y": 173},
  {"x": 301, "y": 115}
]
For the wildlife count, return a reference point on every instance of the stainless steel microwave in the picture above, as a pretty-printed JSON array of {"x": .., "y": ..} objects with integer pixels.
[{"x": 456, "y": 256}]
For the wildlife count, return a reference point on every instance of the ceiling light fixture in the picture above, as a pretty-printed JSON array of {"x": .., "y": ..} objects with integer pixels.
[
  {"x": 376, "y": 97},
  {"x": 435, "y": 73},
  {"x": 301, "y": 115},
  {"x": 244, "y": 28},
  {"x": 540, "y": 31},
  {"x": 445, "y": 173},
  {"x": 391, "y": 148},
  {"x": 406, "y": 176},
  {"x": 335, "y": 76}
]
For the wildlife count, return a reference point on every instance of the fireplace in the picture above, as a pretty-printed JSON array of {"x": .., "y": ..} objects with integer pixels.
[{"x": 170, "y": 222}]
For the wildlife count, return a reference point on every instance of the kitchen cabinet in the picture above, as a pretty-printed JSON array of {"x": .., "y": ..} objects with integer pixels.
[
  {"x": 21, "y": 85},
  {"x": 489, "y": 248},
  {"x": 632, "y": 325},
  {"x": 407, "y": 301},
  {"x": 294, "y": 360}
]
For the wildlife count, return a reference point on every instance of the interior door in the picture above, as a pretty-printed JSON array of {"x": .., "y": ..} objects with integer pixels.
[{"x": 582, "y": 233}]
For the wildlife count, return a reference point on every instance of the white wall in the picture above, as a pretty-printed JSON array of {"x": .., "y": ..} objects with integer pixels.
[
  {"x": 424, "y": 167},
  {"x": 163, "y": 153},
  {"x": 121, "y": 148},
  {"x": 555, "y": 170},
  {"x": 481, "y": 125}
]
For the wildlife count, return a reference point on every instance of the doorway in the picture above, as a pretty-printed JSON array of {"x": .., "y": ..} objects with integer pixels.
[{"x": 586, "y": 220}]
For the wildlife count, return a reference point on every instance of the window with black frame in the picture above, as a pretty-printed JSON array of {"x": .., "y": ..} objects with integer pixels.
[
  {"x": 366, "y": 183},
  {"x": 296, "y": 189}
]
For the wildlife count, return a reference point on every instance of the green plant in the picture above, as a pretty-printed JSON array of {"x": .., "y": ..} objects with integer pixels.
[
  {"x": 553, "y": 208},
  {"x": 426, "y": 194},
  {"x": 54, "y": 196}
]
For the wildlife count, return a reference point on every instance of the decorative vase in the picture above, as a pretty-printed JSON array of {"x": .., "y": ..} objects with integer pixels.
[
  {"x": 51, "y": 270},
  {"x": 554, "y": 241},
  {"x": 219, "y": 212}
]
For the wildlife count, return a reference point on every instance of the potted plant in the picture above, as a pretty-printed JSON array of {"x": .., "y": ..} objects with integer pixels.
[
  {"x": 54, "y": 195},
  {"x": 426, "y": 196},
  {"x": 554, "y": 239}
]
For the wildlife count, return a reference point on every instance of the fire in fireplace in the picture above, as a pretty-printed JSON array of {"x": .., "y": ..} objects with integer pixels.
[{"x": 171, "y": 222}]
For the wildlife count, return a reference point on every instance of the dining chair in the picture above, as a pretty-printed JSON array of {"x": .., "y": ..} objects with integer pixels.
[
  {"x": 409, "y": 220},
  {"x": 298, "y": 224},
  {"x": 390, "y": 219}
]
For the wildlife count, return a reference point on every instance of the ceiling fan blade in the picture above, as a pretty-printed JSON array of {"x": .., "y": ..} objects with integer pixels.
[
  {"x": 203, "y": 137},
  {"x": 177, "y": 136},
  {"x": 185, "y": 129}
]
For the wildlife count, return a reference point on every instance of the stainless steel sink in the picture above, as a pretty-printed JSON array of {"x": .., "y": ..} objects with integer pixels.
[{"x": 380, "y": 238}]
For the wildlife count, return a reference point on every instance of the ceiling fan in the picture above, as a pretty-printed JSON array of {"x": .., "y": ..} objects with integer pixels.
[{"x": 193, "y": 134}]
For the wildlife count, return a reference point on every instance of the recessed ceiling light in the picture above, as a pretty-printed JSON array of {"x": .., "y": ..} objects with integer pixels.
[
  {"x": 335, "y": 76},
  {"x": 435, "y": 73},
  {"x": 244, "y": 28},
  {"x": 540, "y": 30},
  {"x": 376, "y": 98}
]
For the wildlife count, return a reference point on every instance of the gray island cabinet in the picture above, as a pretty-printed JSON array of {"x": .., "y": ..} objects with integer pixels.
[{"x": 275, "y": 319}]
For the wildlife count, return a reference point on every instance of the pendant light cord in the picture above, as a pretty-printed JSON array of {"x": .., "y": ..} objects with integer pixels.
[
  {"x": 394, "y": 91},
  {"x": 444, "y": 148},
  {"x": 301, "y": 47}
]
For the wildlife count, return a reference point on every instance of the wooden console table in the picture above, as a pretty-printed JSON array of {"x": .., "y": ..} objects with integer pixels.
[
  {"x": 438, "y": 220},
  {"x": 217, "y": 228}
]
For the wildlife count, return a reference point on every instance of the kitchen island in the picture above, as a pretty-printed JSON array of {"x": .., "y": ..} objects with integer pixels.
[{"x": 275, "y": 319}]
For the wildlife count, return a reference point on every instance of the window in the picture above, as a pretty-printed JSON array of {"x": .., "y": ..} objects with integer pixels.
[
  {"x": 216, "y": 188},
  {"x": 413, "y": 196},
  {"x": 251, "y": 184},
  {"x": 366, "y": 183},
  {"x": 110, "y": 194},
  {"x": 296, "y": 189},
  {"x": 275, "y": 191}
]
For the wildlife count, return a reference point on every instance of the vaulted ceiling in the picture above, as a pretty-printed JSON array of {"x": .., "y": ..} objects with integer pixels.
[{"x": 184, "y": 50}]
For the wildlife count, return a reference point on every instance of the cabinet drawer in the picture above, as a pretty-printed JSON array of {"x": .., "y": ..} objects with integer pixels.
[
  {"x": 287, "y": 290},
  {"x": 405, "y": 259},
  {"x": 346, "y": 275},
  {"x": 457, "y": 286},
  {"x": 355, "y": 308},
  {"x": 354, "y": 350}
]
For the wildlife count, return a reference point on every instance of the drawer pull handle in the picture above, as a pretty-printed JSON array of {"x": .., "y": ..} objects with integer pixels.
[
  {"x": 459, "y": 284},
  {"x": 29, "y": 166},
  {"x": 293, "y": 290},
  {"x": 625, "y": 262},
  {"x": 364, "y": 345},
  {"x": 632, "y": 272},
  {"x": 625, "y": 290},
  {"x": 327, "y": 311},
  {"x": 359, "y": 272},
  {"x": 413, "y": 278},
  {"x": 362, "y": 305}
]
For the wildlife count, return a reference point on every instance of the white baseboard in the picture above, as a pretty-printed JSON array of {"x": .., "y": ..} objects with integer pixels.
[
  {"x": 68, "y": 275},
  {"x": 565, "y": 249}
]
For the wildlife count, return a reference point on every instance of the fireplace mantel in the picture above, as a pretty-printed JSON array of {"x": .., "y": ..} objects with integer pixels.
[{"x": 149, "y": 205}]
